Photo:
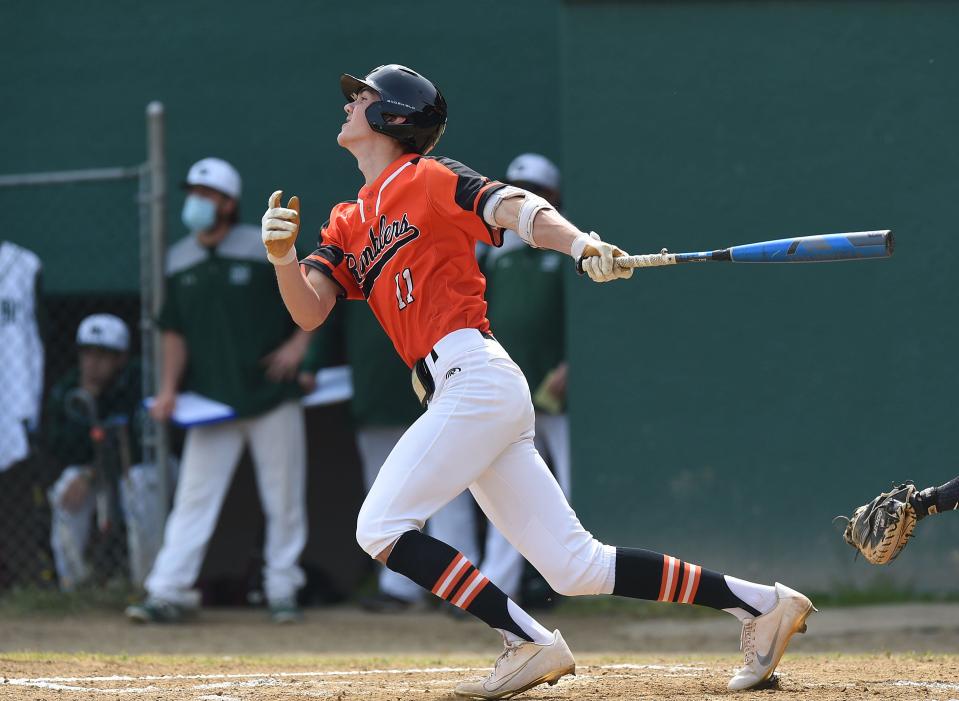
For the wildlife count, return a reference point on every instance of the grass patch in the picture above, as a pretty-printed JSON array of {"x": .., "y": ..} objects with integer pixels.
[
  {"x": 879, "y": 591},
  {"x": 32, "y": 601}
]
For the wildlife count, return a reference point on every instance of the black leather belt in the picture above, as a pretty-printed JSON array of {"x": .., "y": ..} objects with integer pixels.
[{"x": 423, "y": 383}]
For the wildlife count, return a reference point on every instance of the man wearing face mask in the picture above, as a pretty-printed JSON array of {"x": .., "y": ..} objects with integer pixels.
[{"x": 218, "y": 280}]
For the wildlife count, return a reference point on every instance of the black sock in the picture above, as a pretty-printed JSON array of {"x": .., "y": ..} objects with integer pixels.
[
  {"x": 644, "y": 574},
  {"x": 436, "y": 566},
  {"x": 935, "y": 500}
]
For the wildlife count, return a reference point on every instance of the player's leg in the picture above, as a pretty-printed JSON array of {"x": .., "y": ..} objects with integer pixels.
[
  {"x": 142, "y": 514},
  {"x": 210, "y": 455},
  {"x": 396, "y": 592},
  {"x": 935, "y": 500},
  {"x": 470, "y": 421},
  {"x": 278, "y": 446},
  {"x": 523, "y": 500},
  {"x": 70, "y": 530}
]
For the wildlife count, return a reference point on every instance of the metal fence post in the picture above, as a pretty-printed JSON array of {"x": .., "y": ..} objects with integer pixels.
[{"x": 153, "y": 284}]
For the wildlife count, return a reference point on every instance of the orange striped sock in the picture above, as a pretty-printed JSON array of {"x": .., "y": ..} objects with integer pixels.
[
  {"x": 436, "y": 566},
  {"x": 644, "y": 574}
]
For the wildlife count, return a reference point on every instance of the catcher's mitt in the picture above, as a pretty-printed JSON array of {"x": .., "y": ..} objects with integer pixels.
[{"x": 881, "y": 528}]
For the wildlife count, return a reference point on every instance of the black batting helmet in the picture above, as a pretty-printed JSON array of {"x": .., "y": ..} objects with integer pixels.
[{"x": 404, "y": 93}]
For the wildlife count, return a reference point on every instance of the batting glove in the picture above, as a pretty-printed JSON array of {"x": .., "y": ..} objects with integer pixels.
[
  {"x": 280, "y": 226},
  {"x": 596, "y": 258}
]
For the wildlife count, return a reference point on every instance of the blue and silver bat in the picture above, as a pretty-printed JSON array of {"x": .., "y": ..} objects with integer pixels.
[{"x": 803, "y": 249}]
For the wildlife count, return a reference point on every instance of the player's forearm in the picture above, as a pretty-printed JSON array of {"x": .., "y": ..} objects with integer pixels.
[
  {"x": 308, "y": 309},
  {"x": 174, "y": 361},
  {"x": 550, "y": 228}
]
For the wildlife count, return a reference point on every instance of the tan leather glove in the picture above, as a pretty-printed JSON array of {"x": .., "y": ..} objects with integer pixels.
[
  {"x": 596, "y": 259},
  {"x": 280, "y": 226}
]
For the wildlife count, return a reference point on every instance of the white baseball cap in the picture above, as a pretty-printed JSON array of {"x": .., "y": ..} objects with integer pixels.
[
  {"x": 217, "y": 174},
  {"x": 533, "y": 168},
  {"x": 104, "y": 331}
]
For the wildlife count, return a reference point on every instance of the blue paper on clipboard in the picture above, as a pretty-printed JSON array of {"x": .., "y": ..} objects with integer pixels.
[{"x": 194, "y": 409}]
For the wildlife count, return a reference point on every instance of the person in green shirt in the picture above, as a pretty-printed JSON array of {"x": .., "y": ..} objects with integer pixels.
[
  {"x": 90, "y": 430},
  {"x": 218, "y": 284},
  {"x": 524, "y": 294}
]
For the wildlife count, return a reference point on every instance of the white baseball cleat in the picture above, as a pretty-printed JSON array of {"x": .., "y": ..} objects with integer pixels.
[
  {"x": 764, "y": 638},
  {"x": 522, "y": 666}
]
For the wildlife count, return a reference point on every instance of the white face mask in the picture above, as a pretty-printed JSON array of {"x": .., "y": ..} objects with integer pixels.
[{"x": 199, "y": 213}]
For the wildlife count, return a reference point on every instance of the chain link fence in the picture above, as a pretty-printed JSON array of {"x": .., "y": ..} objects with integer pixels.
[{"x": 82, "y": 468}]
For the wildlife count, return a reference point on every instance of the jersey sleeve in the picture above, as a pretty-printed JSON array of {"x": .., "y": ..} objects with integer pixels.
[
  {"x": 459, "y": 194},
  {"x": 170, "y": 318},
  {"x": 329, "y": 256}
]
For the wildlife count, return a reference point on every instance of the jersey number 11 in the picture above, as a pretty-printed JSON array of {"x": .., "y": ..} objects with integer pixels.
[{"x": 406, "y": 299}]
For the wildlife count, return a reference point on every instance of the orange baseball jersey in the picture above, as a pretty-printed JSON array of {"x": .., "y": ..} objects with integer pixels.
[{"x": 406, "y": 246}]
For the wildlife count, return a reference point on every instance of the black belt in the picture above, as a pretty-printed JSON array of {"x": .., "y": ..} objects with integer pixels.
[{"x": 421, "y": 373}]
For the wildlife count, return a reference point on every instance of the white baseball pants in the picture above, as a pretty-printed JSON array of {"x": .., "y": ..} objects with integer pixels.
[
  {"x": 478, "y": 433},
  {"x": 502, "y": 563},
  {"x": 277, "y": 441},
  {"x": 453, "y": 524}
]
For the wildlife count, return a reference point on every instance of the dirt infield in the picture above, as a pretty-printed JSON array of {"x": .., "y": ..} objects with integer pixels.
[
  {"x": 903, "y": 652},
  {"x": 802, "y": 677}
]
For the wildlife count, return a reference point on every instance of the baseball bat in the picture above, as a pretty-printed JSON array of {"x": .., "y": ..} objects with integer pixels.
[{"x": 857, "y": 245}]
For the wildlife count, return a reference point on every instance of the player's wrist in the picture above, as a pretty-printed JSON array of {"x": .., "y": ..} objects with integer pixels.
[
  {"x": 579, "y": 244},
  {"x": 285, "y": 259}
]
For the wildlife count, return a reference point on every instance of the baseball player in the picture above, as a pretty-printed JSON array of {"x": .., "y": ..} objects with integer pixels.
[
  {"x": 880, "y": 529},
  {"x": 405, "y": 245}
]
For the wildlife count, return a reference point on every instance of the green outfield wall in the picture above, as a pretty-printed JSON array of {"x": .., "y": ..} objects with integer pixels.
[
  {"x": 727, "y": 413},
  {"x": 255, "y": 83}
]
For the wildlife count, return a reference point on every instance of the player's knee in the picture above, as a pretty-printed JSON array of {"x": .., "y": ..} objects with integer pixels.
[
  {"x": 367, "y": 535},
  {"x": 374, "y": 535},
  {"x": 586, "y": 572},
  {"x": 570, "y": 584}
]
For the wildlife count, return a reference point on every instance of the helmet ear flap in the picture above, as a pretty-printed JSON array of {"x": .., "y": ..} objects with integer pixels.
[{"x": 376, "y": 114}]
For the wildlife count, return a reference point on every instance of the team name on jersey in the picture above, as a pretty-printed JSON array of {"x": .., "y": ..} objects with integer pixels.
[{"x": 385, "y": 240}]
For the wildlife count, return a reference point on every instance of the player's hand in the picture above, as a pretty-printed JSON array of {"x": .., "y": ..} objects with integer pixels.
[
  {"x": 307, "y": 381},
  {"x": 284, "y": 363},
  {"x": 280, "y": 226},
  {"x": 598, "y": 260},
  {"x": 163, "y": 406}
]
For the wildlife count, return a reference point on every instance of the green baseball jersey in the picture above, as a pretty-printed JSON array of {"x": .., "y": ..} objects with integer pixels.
[
  {"x": 226, "y": 304},
  {"x": 66, "y": 433},
  {"x": 524, "y": 293},
  {"x": 382, "y": 393}
]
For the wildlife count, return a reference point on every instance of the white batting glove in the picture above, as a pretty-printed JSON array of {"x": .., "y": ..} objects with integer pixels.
[
  {"x": 596, "y": 258},
  {"x": 280, "y": 226}
]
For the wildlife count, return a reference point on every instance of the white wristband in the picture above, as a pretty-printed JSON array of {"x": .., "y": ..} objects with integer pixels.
[
  {"x": 579, "y": 245},
  {"x": 290, "y": 257}
]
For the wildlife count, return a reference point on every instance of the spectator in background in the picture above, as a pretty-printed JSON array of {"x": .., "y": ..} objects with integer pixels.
[
  {"x": 218, "y": 280},
  {"x": 21, "y": 384},
  {"x": 524, "y": 294},
  {"x": 90, "y": 429},
  {"x": 383, "y": 407}
]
